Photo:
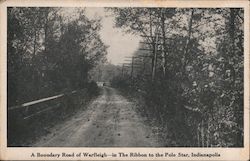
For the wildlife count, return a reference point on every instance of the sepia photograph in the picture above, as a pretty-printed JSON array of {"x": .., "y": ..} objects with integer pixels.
[
  {"x": 141, "y": 79},
  {"x": 97, "y": 77}
]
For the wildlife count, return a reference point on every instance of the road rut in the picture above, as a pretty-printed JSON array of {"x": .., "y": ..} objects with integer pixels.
[{"x": 109, "y": 121}]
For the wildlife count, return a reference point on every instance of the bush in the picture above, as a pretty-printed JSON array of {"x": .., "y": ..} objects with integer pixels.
[{"x": 92, "y": 88}]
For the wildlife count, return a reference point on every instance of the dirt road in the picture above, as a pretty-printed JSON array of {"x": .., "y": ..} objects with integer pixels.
[{"x": 109, "y": 121}]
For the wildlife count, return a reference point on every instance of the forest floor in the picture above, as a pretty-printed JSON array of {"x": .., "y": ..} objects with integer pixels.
[{"x": 109, "y": 121}]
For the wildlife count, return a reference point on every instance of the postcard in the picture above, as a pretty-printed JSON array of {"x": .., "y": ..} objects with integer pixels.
[{"x": 124, "y": 80}]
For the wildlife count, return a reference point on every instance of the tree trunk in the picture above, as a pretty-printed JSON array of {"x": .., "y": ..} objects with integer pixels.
[
  {"x": 34, "y": 43},
  {"x": 202, "y": 134},
  {"x": 164, "y": 42},
  {"x": 188, "y": 40}
]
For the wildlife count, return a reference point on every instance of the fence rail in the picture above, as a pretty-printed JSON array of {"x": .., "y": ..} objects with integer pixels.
[
  {"x": 32, "y": 119},
  {"x": 38, "y": 101},
  {"x": 34, "y": 108}
]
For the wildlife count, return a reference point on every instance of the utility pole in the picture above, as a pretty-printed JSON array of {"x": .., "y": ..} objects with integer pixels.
[
  {"x": 122, "y": 69},
  {"x": 132, "y": 68},
  {"x": 133, "y": 65},
  {"x": 99, "y": 74}
]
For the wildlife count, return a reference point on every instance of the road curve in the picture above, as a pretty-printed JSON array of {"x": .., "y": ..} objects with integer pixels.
[{"x": 109, "y": 121}]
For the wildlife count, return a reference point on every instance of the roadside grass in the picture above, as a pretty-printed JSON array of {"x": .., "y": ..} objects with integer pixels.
[
  {"x": 168, "y": 131},
  {"x": 24, "y": 132}
]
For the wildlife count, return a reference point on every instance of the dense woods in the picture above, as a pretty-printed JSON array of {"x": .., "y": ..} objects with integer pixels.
[
  {"x": 104, "y": 72},
  {"x": 186, "y": 76},
  {"x": 188, "y": 71},
  {"x": 50, "y": 50}
]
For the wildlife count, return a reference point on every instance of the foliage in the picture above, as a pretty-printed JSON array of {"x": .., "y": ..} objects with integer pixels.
[
  {"x": 104, "y": 72},
  {"x": 48, "y": 53},
  {"x": 196, "y": 92}
]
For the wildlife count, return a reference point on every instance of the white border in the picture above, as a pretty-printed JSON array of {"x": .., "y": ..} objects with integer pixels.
[{"x": 20, "y": 153}]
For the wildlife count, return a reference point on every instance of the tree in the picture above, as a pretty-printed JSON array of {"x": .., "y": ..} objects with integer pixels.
[
  {"x": 48, "y": 53},
  {"x": 200, "y": 72}
]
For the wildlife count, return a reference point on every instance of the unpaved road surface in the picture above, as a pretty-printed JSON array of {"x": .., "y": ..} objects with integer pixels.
[{"x": 109, "y": 121}]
